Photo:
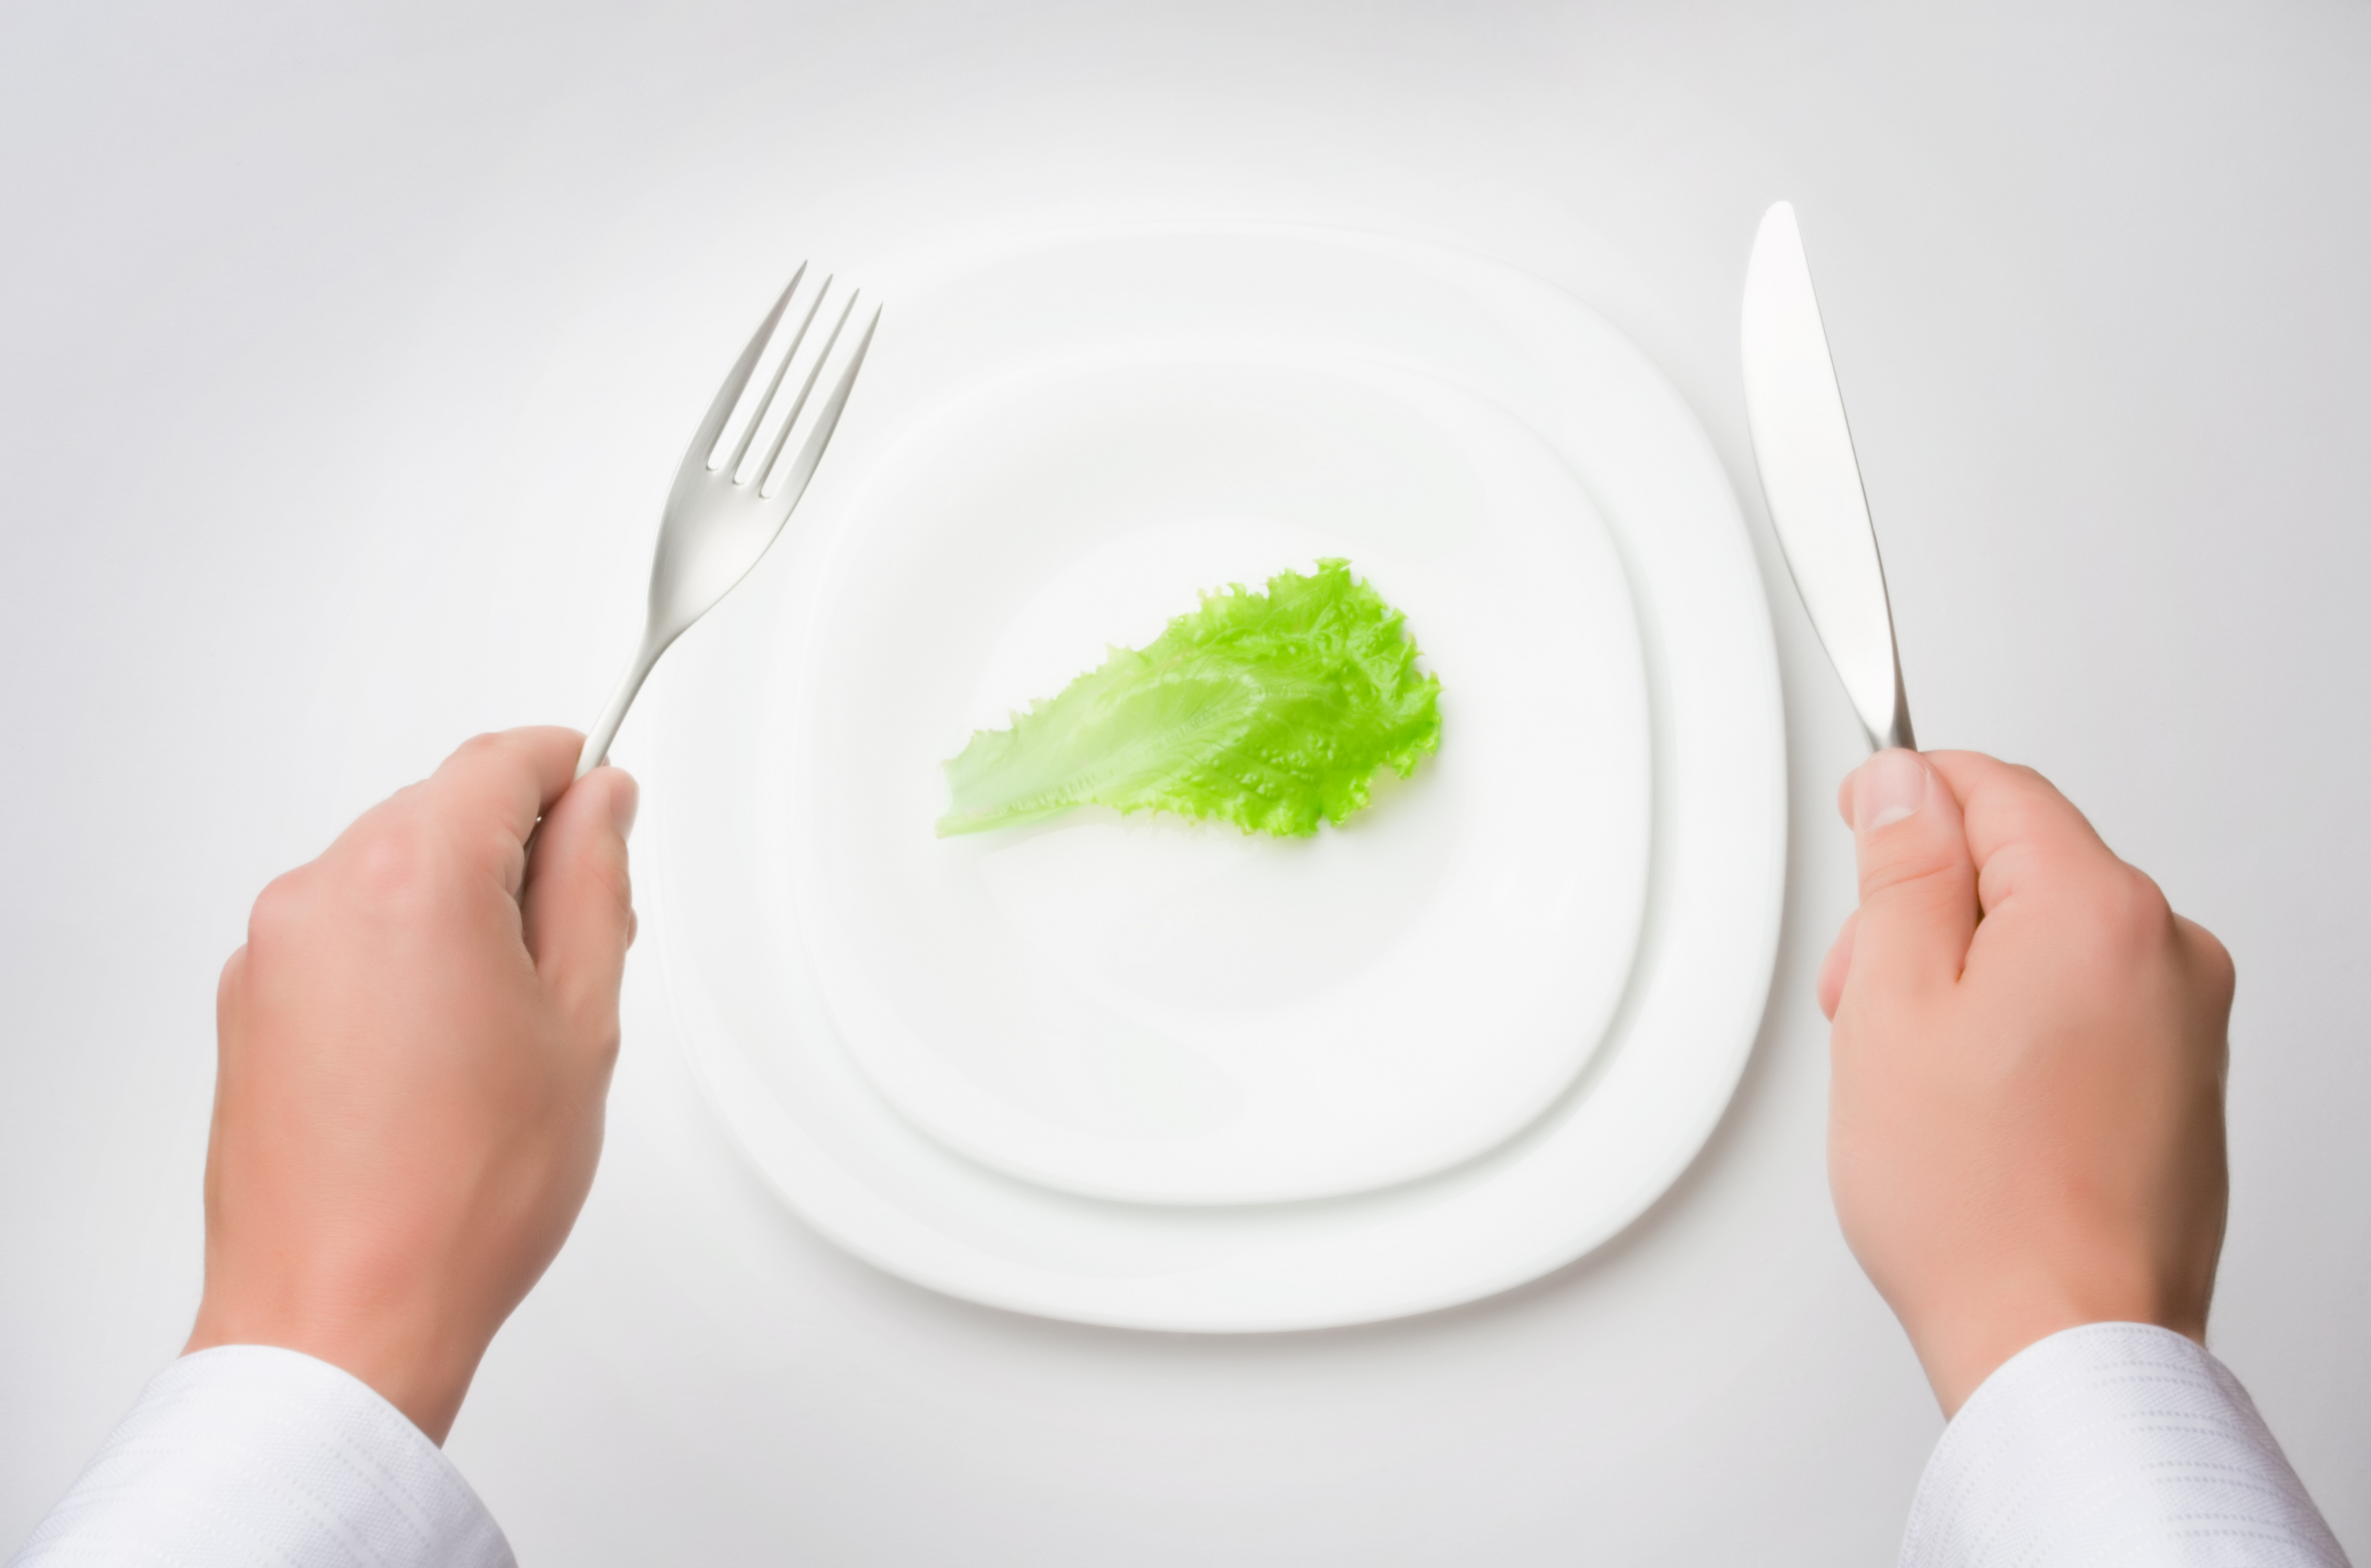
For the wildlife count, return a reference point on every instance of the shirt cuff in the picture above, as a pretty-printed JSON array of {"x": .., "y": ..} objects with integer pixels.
[
  {"x": 2111, "y": 1444},
  {"x": 250, "y": 1454}
]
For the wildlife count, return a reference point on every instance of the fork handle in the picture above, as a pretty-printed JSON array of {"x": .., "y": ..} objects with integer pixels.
[{"x": 597, "y": 743}]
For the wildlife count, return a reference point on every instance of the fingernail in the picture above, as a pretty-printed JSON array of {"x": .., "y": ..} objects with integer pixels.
[
  {"x": 1893, "y": 786},
  {"x": 625, "y": 801}
]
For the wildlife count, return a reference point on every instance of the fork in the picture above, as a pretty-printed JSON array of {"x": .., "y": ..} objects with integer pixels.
[{"x": 722, "y": 514}]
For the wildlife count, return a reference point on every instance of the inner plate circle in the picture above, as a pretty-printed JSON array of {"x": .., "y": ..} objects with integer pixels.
[{"x": 1156, "y": 1011}]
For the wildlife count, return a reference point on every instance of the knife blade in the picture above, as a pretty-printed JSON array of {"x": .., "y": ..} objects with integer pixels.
[{"x": 1812, "y": 480}]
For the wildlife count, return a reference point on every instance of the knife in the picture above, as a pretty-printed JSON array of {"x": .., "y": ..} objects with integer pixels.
[{"x": 1804, "y": 450}]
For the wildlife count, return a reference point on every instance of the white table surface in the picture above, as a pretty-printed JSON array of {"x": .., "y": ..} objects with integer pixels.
[{"x": 345, "y": 353}]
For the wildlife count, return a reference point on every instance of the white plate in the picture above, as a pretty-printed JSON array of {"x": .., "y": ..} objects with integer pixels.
[
  {"x": 722, "y": 840},
  {"x": 1157, "y": 1011}
]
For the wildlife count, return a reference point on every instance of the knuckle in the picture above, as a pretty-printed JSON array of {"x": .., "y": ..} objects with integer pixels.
[
  {"x": 498, "y": 755},
  {"x": 2118, "y": 920},
  {"x": 2139, "y": 908},
  {"x": 604, "y": 1040},
  {"x": 231, "y": 982},
  {"x": 496, "y": 848},
  {"x": 280, "y": 910},
  {"x": 616, "y": 890},
  {"x": 2213, "y": 961},
  {"x": 1939, "y": 893},
  {"x": 2032, "y": 776},
  {"x": 2027, "y": 818},
  {"x": 1911, "y": 868},
  {"x": 396, "y": 870},
  {"x": 1905, "y": 884},
  {"x": 587, "y": 1010}
]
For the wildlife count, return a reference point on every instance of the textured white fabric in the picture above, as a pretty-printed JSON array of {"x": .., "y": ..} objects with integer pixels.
[
  {"x": 2113, "y": 1444},
  {"x": 2107, "y": 1445},
  {"x": 250, "y": 1455}
]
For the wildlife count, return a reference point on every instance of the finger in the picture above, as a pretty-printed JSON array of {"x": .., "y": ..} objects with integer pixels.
[
  {"x": 507, "y": 779},
  {"x": 230, "y": 998},
  {"x": 2211, "y": 962},
  {"x": 1837, "y": 967},
  {"x": 2023, "y": 836},
  {"x": 579, "y": 904},
  {"x": 1917, "y": 883}
]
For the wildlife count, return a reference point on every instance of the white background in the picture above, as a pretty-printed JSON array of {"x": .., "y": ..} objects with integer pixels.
[{"x": 345, "y": 353}]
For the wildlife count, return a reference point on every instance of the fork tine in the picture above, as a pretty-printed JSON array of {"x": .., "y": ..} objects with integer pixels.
[
  {"x": 806, "y": 389},
  {"x": 712, "y": 426},
  {"x": 757, "y": 416},
  {"x": 794, "y": 483}
]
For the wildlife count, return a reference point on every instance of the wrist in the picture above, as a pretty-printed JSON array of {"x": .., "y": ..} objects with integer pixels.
[
  {"x": 423, "y": 1373},
  {"x": 1961, "y": 1348}
]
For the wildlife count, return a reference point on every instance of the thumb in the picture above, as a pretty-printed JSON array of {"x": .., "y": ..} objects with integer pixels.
[
  {"x": 1917, "y": 881},
  {"x": 579, "y": 903}
]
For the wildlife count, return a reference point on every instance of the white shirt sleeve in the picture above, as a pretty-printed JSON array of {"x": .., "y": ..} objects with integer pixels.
[
  {"x": 2112, "y": 1444},
  {"x": 247, "y": 1456}
]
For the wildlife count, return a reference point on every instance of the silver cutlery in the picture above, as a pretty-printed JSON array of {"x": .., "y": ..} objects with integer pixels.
[
  {"x": 1804, "y": 450},
  {"x": 726, "y": 508}
]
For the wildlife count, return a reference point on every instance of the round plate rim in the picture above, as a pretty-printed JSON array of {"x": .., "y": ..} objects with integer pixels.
[{"x": 1750, "y": 754}]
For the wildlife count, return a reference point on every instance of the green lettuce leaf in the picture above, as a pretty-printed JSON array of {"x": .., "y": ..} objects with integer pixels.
[{"x": 1266, "y": 710}]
